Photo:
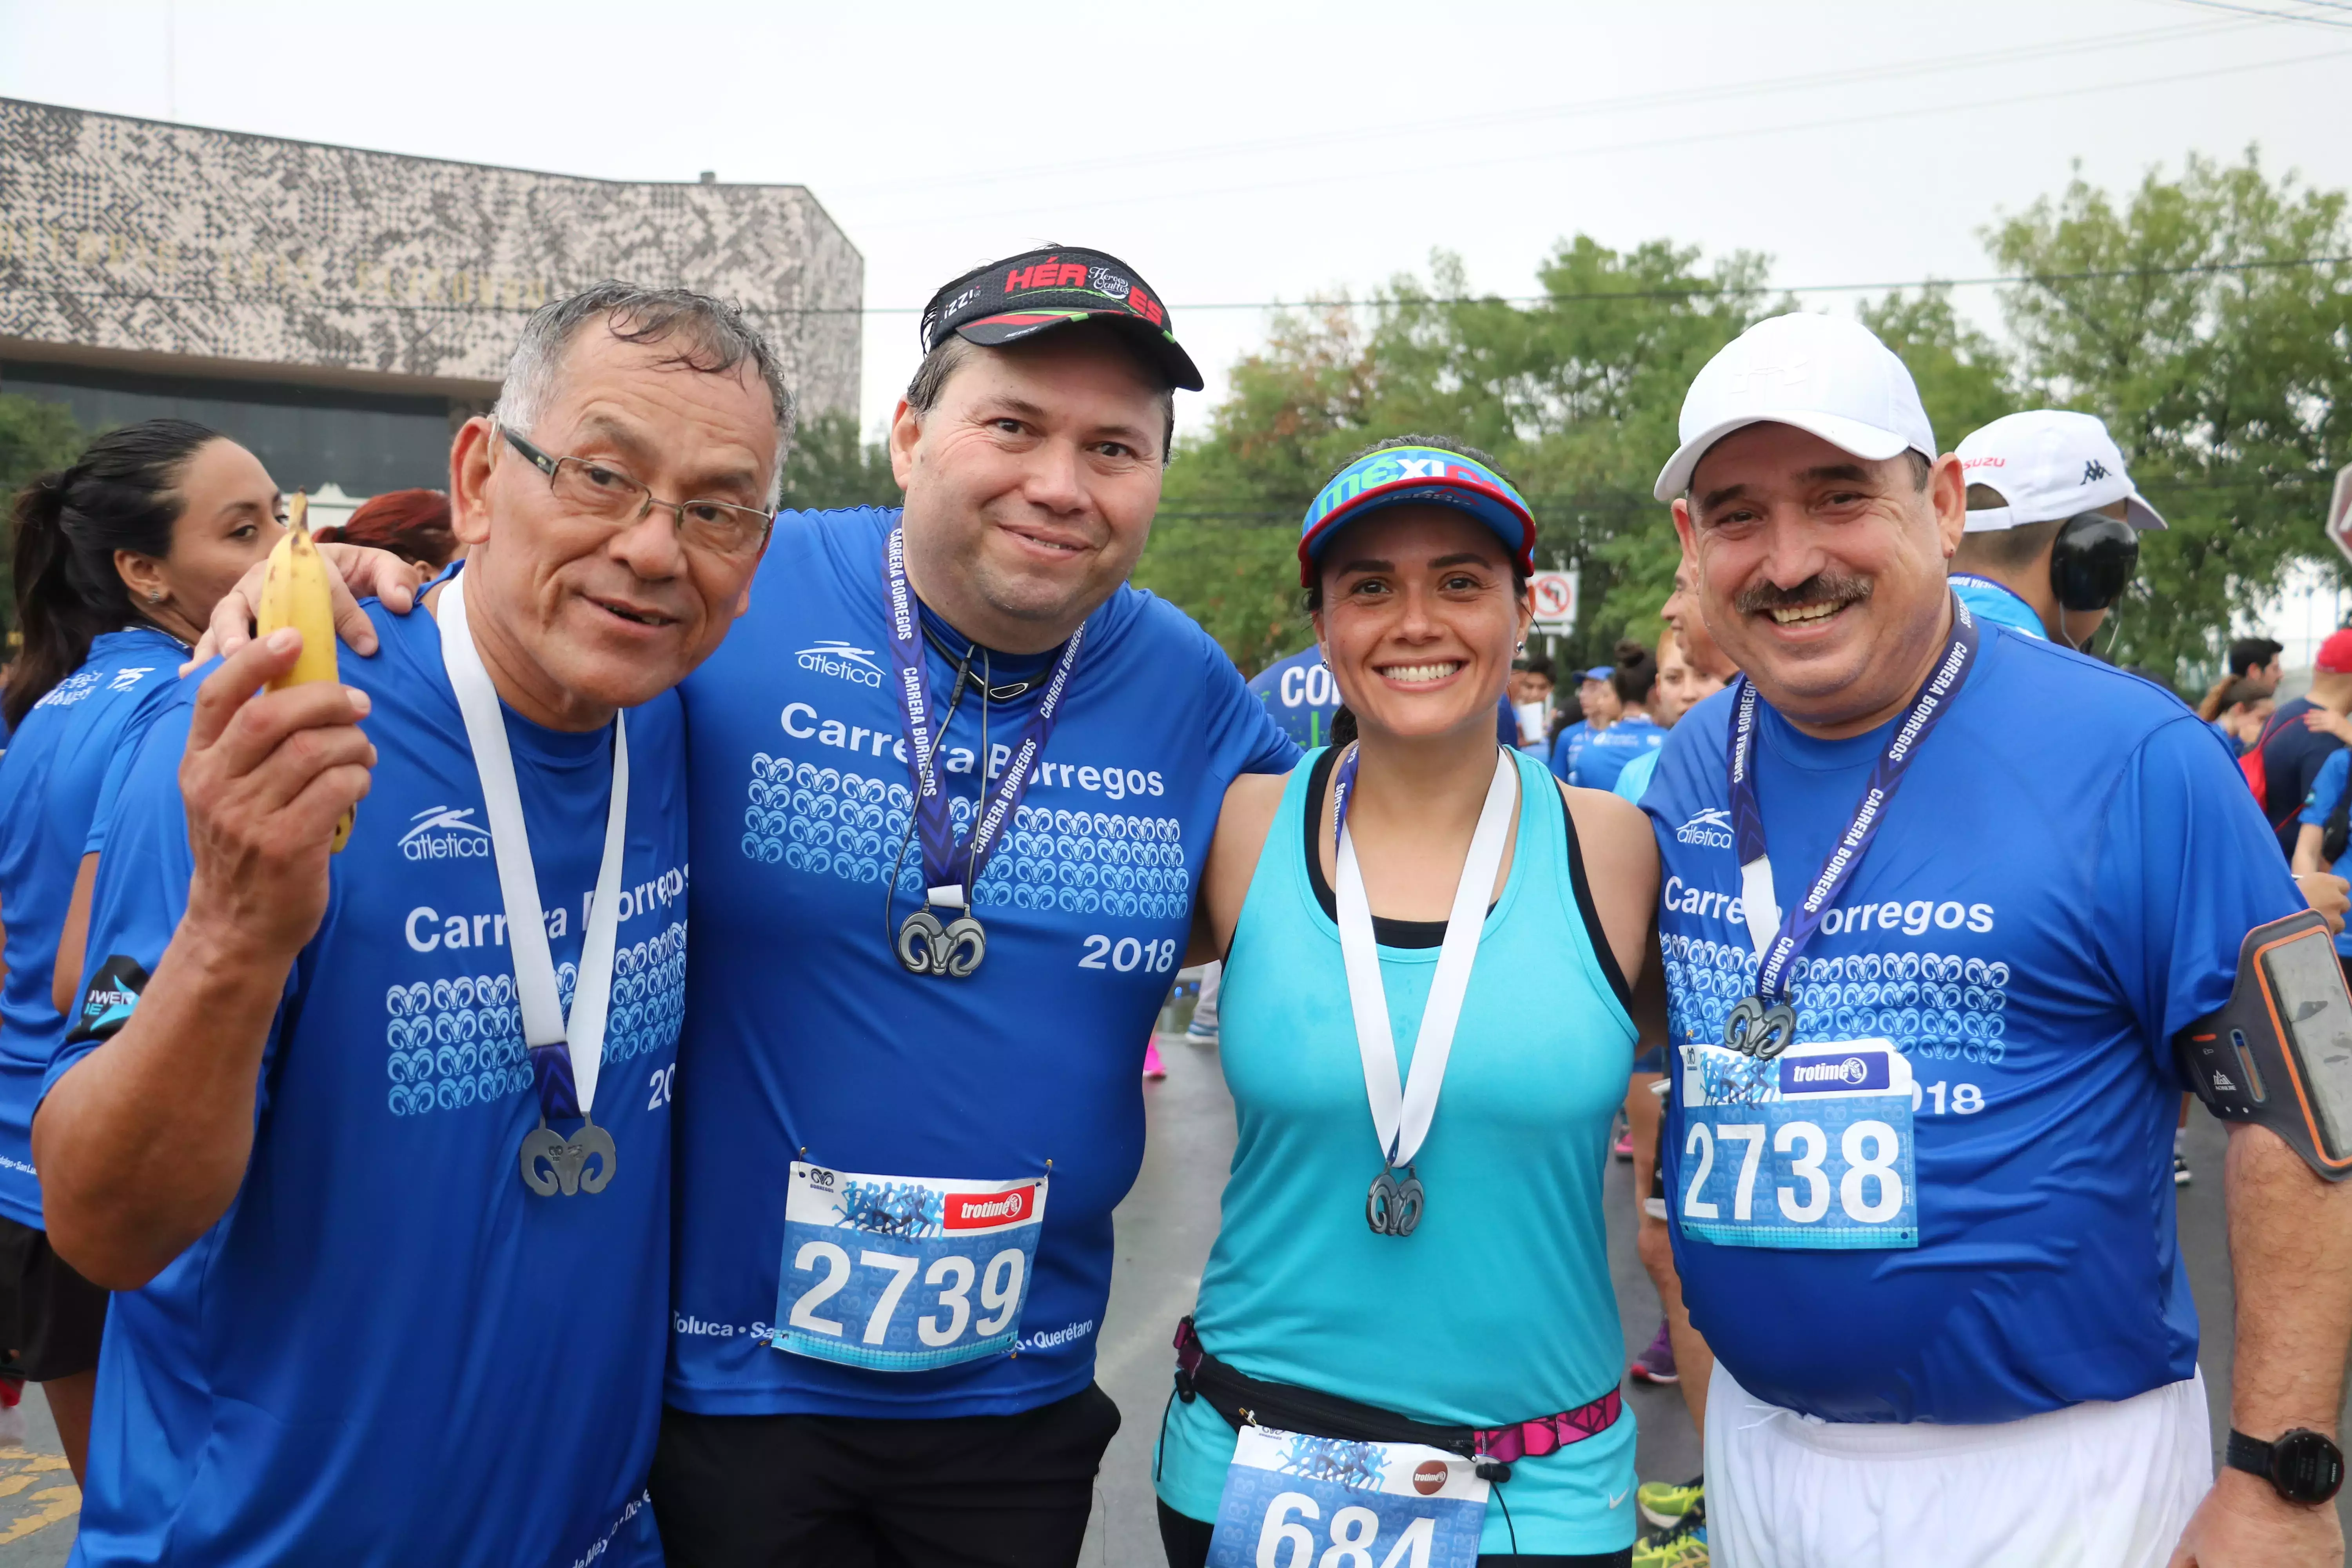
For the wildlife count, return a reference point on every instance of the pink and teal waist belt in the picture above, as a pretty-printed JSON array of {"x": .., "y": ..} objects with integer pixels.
[{"x": 1246, "y": 1401}]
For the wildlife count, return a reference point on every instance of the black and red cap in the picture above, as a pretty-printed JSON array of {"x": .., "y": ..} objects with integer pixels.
[{"x": 1038, "y": 290}]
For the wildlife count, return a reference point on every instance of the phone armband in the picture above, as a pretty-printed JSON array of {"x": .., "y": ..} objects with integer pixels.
[{"x": 2279, "y": 1054}]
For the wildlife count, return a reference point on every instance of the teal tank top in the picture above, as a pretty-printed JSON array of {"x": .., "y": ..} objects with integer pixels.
[{"x": 1499, "y": 1307}]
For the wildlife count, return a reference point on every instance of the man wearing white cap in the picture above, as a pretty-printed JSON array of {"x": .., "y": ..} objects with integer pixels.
[
  {"x": 1923, "y": 1003},
  {"x": 2053, "y": 525}
]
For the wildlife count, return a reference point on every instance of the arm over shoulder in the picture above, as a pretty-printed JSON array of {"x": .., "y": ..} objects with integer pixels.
[
  {"x": 1242, "y": 736},
  {"x": 1243, "y": 823}
]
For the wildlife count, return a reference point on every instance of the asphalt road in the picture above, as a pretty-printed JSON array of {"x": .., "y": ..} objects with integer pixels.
[
  {"x": 1164, "y": 1231},
  {"x": 38, "y": 1502}
]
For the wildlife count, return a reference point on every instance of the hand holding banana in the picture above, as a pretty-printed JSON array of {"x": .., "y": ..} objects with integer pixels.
[
  {"x": 275, "y": 762},
  {"x": 295, "y": 592}
]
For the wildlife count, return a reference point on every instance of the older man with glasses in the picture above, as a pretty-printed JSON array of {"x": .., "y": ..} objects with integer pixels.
[
  {"x": 374, "y": 1146},
  {"x": 952, "y": 782}
]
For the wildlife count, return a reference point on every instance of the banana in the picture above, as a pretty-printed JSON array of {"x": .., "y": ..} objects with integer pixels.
[{"x": 295, "y": 593}]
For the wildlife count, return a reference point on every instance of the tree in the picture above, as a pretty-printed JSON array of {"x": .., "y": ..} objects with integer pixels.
[
  {"x": 830, "y": 465},
  {"x": 1572, "y": 396},
  {"x": 34, "y": 437},
  {"x": 1965, "y": 379},
  {"x": 2192, "y": 317}
]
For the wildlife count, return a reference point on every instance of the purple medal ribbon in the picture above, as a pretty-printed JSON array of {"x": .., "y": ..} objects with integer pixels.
[
  {"x": 1341, "y": 789},
  {"x": 1798, "y": 926},
  {"x": 947, "y": 864},
  {"x": 558, "y": 1093}
]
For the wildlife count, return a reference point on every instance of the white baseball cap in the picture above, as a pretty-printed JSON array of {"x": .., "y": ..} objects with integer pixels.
[
  {"x": 1829, "y": 377},
  {"x": 2051, "y": 464}
]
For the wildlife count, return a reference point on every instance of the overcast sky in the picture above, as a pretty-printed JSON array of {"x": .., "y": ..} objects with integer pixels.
[{"x": 1241, "y": 152}]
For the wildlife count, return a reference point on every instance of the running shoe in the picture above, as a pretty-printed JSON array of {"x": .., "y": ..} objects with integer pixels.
[
  {"x": 1666, "y": 1505},
  {"x": 1624, "y": 1149},
  {"x": 1656, "y": 1364},
  {"x": 2180, "y": 1176},
  {"x": 1153, "y": 1067},
  {"x": 1683, "y": 1546},
  {"x": 1200, "y": 1034}
]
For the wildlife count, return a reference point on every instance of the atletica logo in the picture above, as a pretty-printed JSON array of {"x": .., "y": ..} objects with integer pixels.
[
  {"x": 1711, "y": 827},
  {"x": 843, "y": 661},
  {"x": 442, "y": 833}
]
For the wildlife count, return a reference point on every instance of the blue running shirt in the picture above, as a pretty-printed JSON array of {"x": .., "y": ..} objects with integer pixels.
[
  {"x": 1998, "y": 602},
  {"x": 50, "y": 782},
  {"x": 1568, "y": 749},
  {"x": 805, "y": 1033},
  {"x": 1300, "y": 694},
  {"x": 1603, "y": 756},
  {"x": 2327, "y": 790},
  {"x": 1633, "y": 780},
  {"x": 2029, "y": 929},
  {"x": 389, "y": 1351}
]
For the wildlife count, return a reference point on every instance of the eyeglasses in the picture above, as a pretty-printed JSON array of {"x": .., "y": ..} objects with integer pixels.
[{"x": 602, "y": 491}]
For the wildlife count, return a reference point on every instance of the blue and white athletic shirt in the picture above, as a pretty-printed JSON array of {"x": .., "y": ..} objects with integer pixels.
[
  {"x": 1998, "y": 602},
  {"x": 805, "y": 1033},
  {"x": 1300, "y": 695},
  {"x": 2030, "y": 929},
  {"x": 1633, "y": 780},
  {"x": 1603, "y": 756},
  {"x": 1567, "y": 750},
  {"x": 2327, "y": 790},
  {"x": 390, "y": 1351},
  {"x": 50, "y": 782}
]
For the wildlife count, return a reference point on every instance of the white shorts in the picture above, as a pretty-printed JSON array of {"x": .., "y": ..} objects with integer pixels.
[{"x": 2102, "y": 1485}]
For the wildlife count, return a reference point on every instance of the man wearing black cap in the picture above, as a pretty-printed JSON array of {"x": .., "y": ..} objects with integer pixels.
[{"x": 952, "y": 782}]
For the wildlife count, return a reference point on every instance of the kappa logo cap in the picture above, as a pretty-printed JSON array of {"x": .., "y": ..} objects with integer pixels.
[
  {"x": 1038, "y": 290},
  {"x": 2050, "y": 464},
  {"x": 1832, "y": 378}
]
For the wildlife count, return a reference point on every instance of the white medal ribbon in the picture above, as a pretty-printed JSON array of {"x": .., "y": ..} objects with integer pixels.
[
  {"x": 1400, "y": 1117},
  {"x": 534, "y": 968}
]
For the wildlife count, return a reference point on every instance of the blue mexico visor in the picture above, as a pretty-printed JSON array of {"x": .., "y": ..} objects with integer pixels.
[{"x": 1417, "y": 476}]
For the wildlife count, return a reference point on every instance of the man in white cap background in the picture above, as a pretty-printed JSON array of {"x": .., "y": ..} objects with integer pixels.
[
  {"x": 1922, "y": 1004},
  {"x": 2053, "y": 525}
]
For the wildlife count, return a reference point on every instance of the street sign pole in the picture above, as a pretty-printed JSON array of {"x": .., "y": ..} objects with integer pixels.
[
  {"x": 1555, "y": 600},
  {"x": 2339, "y": 522}
]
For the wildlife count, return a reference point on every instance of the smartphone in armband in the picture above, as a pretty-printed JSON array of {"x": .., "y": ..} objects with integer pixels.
[{"x": 2279, "y": 1054}]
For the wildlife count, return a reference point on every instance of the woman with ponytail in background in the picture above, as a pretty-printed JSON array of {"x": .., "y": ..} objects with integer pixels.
[
  {"x": 120, "y": 559},
  {"x": 1409, "y": 1297}
]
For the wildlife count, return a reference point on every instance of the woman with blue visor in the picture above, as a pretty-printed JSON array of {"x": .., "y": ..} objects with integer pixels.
[{"x": 1406, "y": 1347}]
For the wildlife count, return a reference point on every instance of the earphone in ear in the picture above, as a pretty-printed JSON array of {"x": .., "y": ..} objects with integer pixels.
[{"x": 2092, "y": 561}]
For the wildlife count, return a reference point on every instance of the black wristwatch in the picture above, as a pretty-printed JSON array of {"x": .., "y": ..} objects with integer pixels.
[{"x": 2304, "y": 1466}]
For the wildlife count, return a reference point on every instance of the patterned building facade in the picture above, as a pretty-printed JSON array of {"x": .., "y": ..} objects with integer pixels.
[{"x": 340, "y": 309}]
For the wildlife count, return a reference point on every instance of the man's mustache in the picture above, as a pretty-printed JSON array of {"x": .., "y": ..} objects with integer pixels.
[{"x": 1821, "y": 588}]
